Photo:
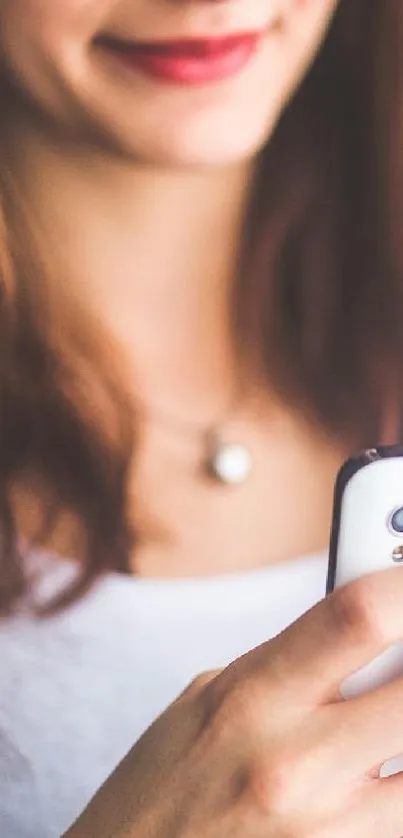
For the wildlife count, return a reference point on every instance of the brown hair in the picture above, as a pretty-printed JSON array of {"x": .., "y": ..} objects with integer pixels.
[{"x": 318, "y": 302}]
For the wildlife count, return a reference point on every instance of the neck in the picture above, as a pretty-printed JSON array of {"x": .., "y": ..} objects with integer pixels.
[{"x": 152, "y": 253}]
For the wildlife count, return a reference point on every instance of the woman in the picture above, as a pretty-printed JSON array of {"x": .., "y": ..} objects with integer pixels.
[{"x": 200, "y": 319}]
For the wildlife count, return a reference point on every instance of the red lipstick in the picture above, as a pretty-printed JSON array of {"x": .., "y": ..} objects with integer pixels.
[{"x": 190, "y": 61}]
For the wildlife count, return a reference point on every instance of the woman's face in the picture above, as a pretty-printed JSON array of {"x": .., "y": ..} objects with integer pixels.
[{"x": 171, "y": 82}]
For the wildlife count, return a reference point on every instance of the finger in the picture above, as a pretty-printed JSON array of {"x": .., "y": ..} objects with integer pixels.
[
  {"x": 310, "y": 659},
  {"x": 382, "y": 803},
  {"x": 366, "y": 731},
  {"x": 375, "y": 811}
]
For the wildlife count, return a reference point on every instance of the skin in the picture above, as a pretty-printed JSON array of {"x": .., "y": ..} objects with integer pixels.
[
  {"x": 51, "y": 47},
  {"x": 122, "y": 171}
]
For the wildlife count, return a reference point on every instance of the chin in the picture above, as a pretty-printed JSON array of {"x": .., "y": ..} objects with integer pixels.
[
  {"x": 200, "y": 153},
  {"x": 193, "y": 143}
]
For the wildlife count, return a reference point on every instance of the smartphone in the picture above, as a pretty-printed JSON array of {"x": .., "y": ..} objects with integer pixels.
[{"x": 367, "y": 536}]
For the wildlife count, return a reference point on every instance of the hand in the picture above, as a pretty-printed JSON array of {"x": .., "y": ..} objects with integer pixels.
[{"x": 267, "y": 748}]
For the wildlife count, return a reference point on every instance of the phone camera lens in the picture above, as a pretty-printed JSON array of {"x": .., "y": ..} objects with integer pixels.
[{"x": 396, "y": 522}]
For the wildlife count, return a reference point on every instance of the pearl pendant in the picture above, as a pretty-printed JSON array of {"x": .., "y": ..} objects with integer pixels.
[{"x": 229, "y": 463}]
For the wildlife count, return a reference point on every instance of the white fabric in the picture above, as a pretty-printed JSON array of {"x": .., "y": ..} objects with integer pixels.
[{"x": 78, "y": 690}]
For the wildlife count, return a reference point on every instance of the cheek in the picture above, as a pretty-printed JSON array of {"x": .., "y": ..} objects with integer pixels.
[
  {"x": 45, "y": 25},
  {"x": 41, "y": 37}
]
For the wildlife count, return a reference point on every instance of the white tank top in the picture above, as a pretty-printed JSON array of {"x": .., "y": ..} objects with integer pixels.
[{"x": 78, "y": 689}]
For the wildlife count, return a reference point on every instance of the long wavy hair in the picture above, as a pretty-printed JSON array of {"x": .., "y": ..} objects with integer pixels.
[{"x": 318, "y": 302}]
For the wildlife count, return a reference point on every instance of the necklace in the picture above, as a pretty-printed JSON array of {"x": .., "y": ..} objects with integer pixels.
[
  {"x": 230, "y": 463},
  {"x": 227, "y": 463}
]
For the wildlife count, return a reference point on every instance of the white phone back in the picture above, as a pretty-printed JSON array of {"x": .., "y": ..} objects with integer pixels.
[{"x": 366, "y": 544}]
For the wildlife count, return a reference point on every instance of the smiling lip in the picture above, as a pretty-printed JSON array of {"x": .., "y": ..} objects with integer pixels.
[{"x": 190, "y": 61}]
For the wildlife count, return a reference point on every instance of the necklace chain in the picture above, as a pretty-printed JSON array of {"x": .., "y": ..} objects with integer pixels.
[{"x": 227, "y": 463}]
